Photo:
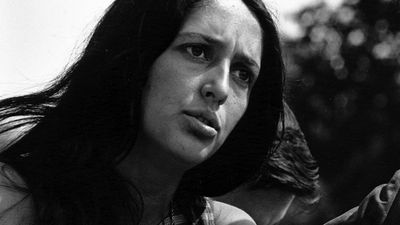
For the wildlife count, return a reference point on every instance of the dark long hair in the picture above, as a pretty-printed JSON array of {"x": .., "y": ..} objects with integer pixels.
[
  {"x": 86, "y": 122},
  {"x": 291, "y": 166}
]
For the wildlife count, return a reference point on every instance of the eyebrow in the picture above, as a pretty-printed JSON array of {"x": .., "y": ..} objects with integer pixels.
[
  {"x": 205, "y": 37},
  {"x": 247, "y": 60},
  {"x": 211, "y": 40}
]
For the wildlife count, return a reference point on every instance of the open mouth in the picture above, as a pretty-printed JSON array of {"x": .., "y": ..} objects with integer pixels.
[
  {"x": 203, "y": 124},
  {"x": 205, "y": 121},
  {"x": 205, "y": 117}
]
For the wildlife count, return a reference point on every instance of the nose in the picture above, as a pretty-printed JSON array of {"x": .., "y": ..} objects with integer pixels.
[{"x": 216, "y": 86}]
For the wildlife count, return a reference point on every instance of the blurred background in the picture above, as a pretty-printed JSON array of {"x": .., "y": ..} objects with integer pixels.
[
  {"x": 344, "y": 85},
  {"x": 343, "y": 81}
]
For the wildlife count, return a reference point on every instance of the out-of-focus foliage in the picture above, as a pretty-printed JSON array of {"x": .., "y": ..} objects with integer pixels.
[{"x": 344, "y": 85}]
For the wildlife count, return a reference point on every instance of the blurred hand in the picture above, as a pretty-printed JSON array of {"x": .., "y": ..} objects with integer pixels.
[{"x": 375, "y": 206}]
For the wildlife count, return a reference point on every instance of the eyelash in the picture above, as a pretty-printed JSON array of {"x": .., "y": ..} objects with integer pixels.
[
  {"x": 206, "y": 52},
  {"x": 250, "y": 75}
]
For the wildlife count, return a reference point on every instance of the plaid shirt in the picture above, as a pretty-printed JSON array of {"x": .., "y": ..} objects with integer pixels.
[{"x": 207, "y": 217}]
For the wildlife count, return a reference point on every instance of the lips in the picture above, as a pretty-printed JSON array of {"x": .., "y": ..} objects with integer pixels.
[
  {"x": 208, "y": 118},
  {"x": 203, "y": 123}
]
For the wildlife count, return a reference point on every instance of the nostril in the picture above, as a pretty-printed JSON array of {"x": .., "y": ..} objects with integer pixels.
[
  {"x": 222, "y": 100},
  {"x": 215, "y": 93},
  {"x": 209, "y": 94}
]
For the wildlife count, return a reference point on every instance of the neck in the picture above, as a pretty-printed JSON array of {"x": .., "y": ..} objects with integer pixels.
[{"x": 157, "y": 179}]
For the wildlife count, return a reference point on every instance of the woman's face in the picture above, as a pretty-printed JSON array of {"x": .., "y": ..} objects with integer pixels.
[{"x": 199, "y": 87}]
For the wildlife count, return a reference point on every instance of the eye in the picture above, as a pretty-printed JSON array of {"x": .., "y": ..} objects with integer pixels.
[
  {"x": 244, "y": 76},
  {"x": 198, "y": 51}
]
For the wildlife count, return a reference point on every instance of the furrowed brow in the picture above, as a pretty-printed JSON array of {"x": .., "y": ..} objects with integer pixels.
[
  {"x": 205, "y": 37},
  {"x": 247, "y": 60},
  {"x": 211, "y": 40}
]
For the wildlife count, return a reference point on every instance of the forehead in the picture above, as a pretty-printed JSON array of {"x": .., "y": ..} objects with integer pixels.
[{"x": 229, "y": 21}]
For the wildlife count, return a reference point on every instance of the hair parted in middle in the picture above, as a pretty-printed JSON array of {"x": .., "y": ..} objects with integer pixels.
[{"x": 86, "y": 122}]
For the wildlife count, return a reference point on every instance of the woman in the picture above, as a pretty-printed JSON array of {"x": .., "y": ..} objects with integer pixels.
[{"x": 126, "y": 134}]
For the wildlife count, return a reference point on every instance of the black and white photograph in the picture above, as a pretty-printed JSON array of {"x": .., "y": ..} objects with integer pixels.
[{"x": 200, "y": 112}]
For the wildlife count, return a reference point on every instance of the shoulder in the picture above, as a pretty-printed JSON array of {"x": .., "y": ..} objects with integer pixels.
[
  {"x": 14, "y": 203},
  {"x": 225, "y": 214},
  {"x": 9, "y": 180}
]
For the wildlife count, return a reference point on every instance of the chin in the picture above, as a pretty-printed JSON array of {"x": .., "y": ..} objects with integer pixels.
[
  {"x": 193, "y": 156},
  {"x": 193, "y": 152}
]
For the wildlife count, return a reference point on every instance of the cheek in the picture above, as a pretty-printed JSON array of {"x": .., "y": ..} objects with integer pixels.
[
  {"x": 234, "y": 111},
  {"x": 163, "y": 80}
]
